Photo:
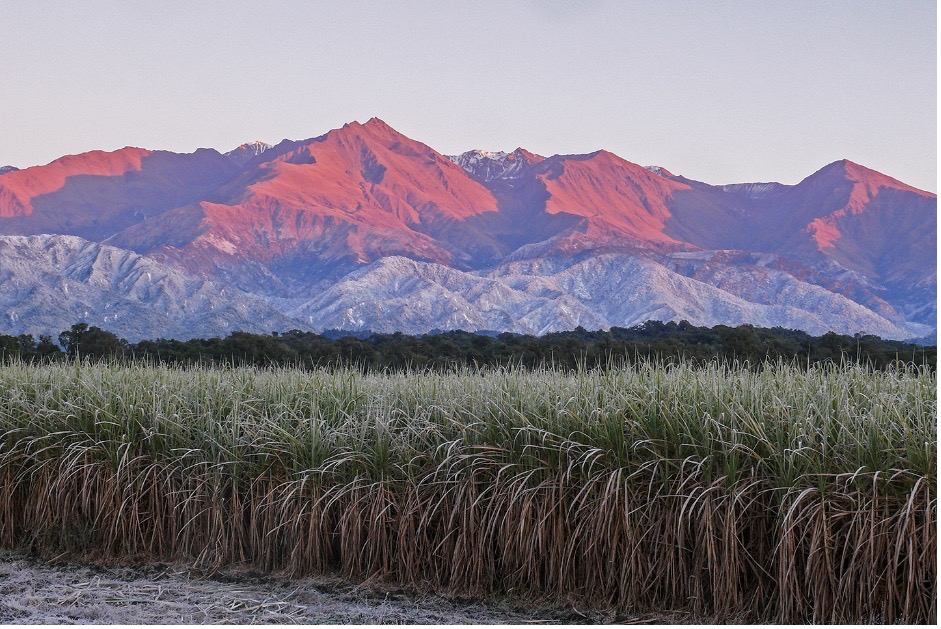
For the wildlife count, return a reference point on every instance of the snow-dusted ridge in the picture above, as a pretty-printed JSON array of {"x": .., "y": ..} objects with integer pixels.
[
  {"x": 476, "y": 155},
  {"x": 542, "y": 295},
  {"x": 367, "y": 228},
  {"x": 138, "y": 297},
  {"x": 659, "y": 170},
  {"x": 244, "y": 153},
  {"x": 490, "y": 165},
  {"x": 50, "y": 282},
  {"x": 754, "y": 190}
]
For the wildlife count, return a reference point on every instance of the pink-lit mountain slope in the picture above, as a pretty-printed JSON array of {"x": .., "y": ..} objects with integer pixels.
[
  {"x": 341, "y": 200},
  {"x": 848, "y": 227},
  {"x": 96, "y": 194},
  {"x": 334, "y": 217}
]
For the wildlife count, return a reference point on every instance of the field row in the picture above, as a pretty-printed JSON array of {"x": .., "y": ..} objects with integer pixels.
[{"x": 771, "y": 494}]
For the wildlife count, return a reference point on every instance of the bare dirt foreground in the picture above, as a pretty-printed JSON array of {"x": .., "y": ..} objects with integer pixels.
[{"x": 35, "y": 592}]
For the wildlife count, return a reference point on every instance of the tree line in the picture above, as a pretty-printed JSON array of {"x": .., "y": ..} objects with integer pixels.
[{"x": 579, "y": 348}]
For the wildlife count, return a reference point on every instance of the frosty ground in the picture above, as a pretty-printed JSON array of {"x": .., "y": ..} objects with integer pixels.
[{"x": 34, "y": 592}]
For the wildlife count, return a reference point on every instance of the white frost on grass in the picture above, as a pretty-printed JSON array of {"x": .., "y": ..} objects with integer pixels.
[{"x": 34, "y": 592}]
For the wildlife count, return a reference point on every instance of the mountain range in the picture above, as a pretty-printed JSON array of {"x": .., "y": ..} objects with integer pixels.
[{"x": 363, "y": 228}]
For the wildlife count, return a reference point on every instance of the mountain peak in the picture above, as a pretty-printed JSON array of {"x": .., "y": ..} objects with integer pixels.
[
  {"x": 609, "y": 159},
  {"x": 373, "y": 129},
  {"x": 489, "y": 238},
  {"x": 527, "y": 156},
  {"x": 259, "y": 145},
  {"x": 842, "y": 168},
  {"x": 491, "y": 165},
  {"x": 376, "y": 123},
  {"x": 244, "y": 153},
  {"x": 866, "y": 180}
]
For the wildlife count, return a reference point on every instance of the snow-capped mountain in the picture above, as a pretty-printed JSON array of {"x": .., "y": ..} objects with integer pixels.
[
  {"x": 490, "y": 165},
  {"x": 244, "y": 153},
  {"x": 365, "y": 228},
  {"x": 7, "y": 169}
]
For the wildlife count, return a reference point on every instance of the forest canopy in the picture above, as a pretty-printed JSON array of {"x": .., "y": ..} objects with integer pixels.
[{"x": 578, "y": 348}]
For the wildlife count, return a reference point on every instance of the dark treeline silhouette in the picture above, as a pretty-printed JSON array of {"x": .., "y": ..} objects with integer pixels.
[{"x": 579, "y": 348}]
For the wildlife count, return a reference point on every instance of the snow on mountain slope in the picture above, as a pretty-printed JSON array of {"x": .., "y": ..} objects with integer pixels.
[
  {"x": 396, "y": 293},
  {"x": 769, "y": 285},
  {"x": 660, "y": 170},
  {"x": 325, "y": 228},
  {"x": 842, "y": 220},
  {"x": 628, "y": 289},
  {"x": 244, "y": 153},
  {"x": 553, "y": 294},
  {"x": 51, "y": 282},
  {"x": 490, "y": 165},
  {"x": 754, "y": 190}
]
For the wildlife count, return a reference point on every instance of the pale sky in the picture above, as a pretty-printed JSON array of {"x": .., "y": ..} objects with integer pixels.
[{"x": 721, "y": 92}]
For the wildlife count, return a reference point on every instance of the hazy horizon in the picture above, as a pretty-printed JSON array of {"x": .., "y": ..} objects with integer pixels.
[{"x": 721, "y": 92}]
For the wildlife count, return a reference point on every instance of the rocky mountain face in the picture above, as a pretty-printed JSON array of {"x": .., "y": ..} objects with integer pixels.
[
  {"x": 244, "y": 153},
  {"x": 551, "y": 295},
  {"x": 364, "y": 228},
  {"x": 51, "y": 282},
  {"x": 488, "y": 166}
]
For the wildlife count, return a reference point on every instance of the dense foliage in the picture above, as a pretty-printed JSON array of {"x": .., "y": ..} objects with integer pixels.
[
  {"x": 577, "y": 348},
  {"x": 770, "y": 494}
]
